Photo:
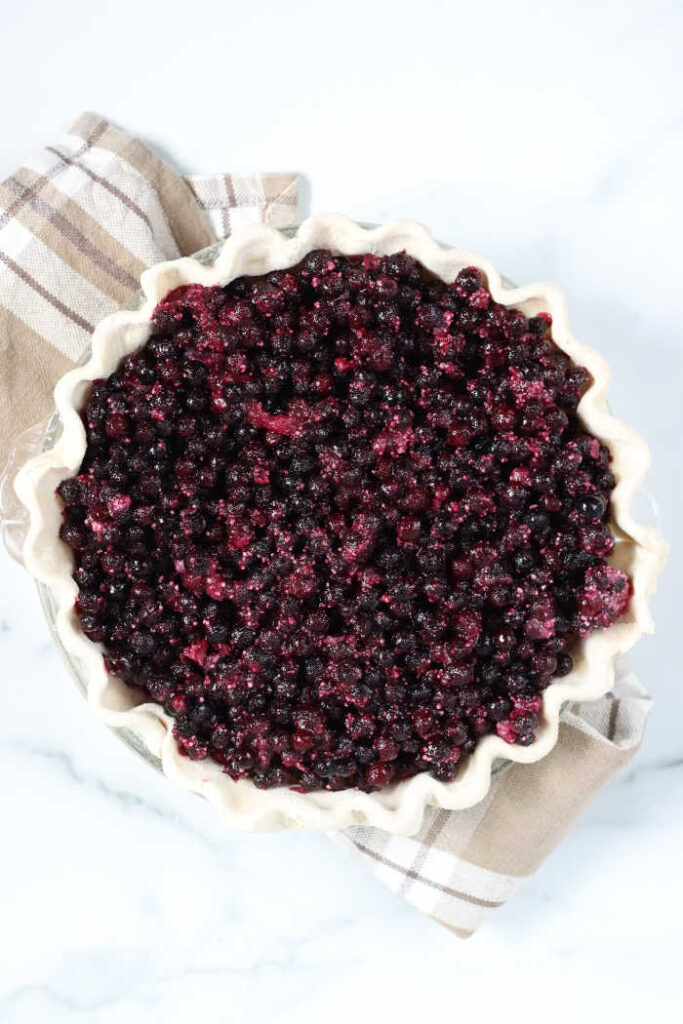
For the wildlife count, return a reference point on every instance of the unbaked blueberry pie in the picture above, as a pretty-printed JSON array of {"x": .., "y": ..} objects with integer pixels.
[{"x": 342, "y": 520}]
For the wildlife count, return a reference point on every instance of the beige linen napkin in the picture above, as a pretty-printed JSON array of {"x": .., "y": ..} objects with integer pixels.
[{"x": 79, "y": 222}]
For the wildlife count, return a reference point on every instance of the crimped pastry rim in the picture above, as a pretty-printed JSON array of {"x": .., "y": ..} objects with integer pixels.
[{"x": 398, "y": 808}]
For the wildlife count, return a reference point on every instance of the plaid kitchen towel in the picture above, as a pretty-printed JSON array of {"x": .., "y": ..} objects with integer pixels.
[{"x": 79, "y": 223}]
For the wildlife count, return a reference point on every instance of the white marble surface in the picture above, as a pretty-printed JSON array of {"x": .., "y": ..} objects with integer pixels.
[{"x": 550, "y": 137}]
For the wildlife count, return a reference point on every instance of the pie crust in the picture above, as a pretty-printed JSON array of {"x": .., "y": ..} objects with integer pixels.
[{"x": 398, "y": 808}]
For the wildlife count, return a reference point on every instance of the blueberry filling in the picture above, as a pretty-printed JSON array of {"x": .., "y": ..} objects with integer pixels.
[{"x": 341, "y": 521}]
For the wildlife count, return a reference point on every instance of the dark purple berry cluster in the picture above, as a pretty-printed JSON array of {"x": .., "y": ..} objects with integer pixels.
[{"x": 342, "y": 520}]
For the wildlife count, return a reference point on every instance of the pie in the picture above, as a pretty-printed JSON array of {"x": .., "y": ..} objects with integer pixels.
[{"x": 342, "y": 522}]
